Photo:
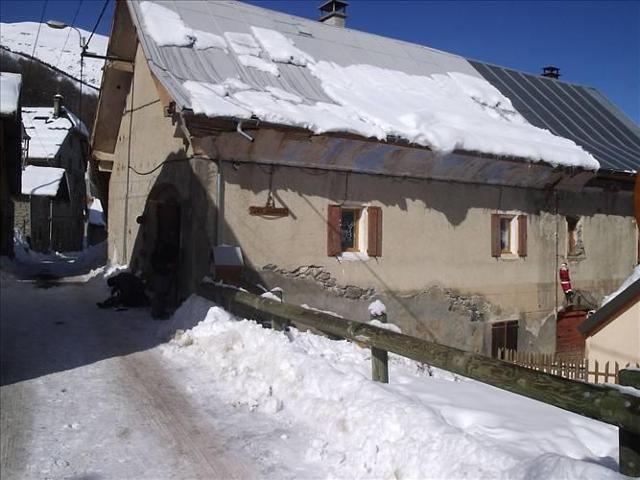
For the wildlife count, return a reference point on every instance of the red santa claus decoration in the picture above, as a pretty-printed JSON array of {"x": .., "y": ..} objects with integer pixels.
[{"x": 565, "y": 281}]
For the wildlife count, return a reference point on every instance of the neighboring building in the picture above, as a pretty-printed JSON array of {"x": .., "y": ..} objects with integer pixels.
[
  {"x": 348, "y": 166},
  {"x": 96, "y": 225},
  {"x": 51, "y": 210},
  {"x": 613, "y": 332},
  {"x": 10, "y": 155}
]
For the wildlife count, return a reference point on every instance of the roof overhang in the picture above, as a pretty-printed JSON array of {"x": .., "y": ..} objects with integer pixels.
[
  {"x": 298, "y": 147},
  {"x": 611, "y": 310}
]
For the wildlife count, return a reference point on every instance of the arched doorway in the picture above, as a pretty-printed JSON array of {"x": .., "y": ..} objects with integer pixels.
[{"x": 163, "y": 247}]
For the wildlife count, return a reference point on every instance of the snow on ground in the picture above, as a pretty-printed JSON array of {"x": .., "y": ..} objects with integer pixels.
[
  {"x": 58, "y": 48},
  {"x": 424, "y": 424},
  {"x": 634, "y": 277},
  {"x": 73, "y": 266},
  {"x": 91, "y": 393}
]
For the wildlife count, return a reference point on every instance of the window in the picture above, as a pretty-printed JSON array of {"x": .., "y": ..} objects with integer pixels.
[
  {"x": 504, "y": 335},
  {"x": 508, "y": 235},
  {"x": 354, "y": 229},
  {"x": 505, "y": 234},
  {"x": 349, "y": 229},
  {"x": 575, "y": 247}
]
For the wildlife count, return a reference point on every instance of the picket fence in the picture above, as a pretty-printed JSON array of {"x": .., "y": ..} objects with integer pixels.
[{"x": 575, "y": 368}]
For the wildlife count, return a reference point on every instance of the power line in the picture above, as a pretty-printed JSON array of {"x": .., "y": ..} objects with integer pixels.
[
  {"x": 95, "y": 27},
  {"x": 35, "y": 44},
  {"x": 73, "y": 23}
]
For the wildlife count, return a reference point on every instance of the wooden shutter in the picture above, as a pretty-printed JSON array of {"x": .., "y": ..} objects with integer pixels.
[
  {"x": 334, "y": 246},
  {"x": 374, "y": 234},
  {"x": 522, "y": 235},
  {"x": 495, "y": 235}
]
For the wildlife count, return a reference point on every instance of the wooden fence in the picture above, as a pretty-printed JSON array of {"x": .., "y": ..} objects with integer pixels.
[
  {"x": 601, "y": 402},
  {"x": 575, "y": 368}
]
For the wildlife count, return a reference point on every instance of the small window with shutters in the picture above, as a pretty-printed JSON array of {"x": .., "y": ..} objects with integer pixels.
[
  {"x": 354, "y": 230},
  {"x": 508, "y": 235}
]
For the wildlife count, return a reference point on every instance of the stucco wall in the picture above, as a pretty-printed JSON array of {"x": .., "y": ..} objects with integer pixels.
[
  {"x": 436, "y": 248},
  {"x": 155, "y": 149},
  {"x": 619, "y": 341},
  {"x": 436, "y": 272}
]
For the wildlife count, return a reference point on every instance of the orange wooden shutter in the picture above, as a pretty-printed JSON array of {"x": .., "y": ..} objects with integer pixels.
[
  {"x": 374, "y": 237},
  {"x": 522, "y": 235},
  {"x": 495, "y": 235},
  {"x": 333, "y": 231}
]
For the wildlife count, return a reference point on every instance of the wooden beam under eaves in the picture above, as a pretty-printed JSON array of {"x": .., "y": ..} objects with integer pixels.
[{"x": 123, "y": 66}]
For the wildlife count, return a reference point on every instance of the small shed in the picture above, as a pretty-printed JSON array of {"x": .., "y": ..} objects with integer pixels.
[{"x": 613, "y": 332}]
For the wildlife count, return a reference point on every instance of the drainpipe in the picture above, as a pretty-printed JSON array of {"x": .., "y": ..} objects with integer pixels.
[{"x": 219, "y": 205}]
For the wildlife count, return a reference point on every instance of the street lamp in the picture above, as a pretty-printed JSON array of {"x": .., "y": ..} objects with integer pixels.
[{"x": 57, "y": 25}]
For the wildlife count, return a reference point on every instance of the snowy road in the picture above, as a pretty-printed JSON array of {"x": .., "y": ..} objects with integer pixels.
[{"x": 84, "y": 394}]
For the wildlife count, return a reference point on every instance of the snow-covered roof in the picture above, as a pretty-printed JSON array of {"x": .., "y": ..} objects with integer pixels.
[
  {"x": 229, "y": 59},
  {"x": 58, "y": 48},
  {"x": 96, "y": 213},
  {"x": 573, "y": 111},
  {"x": 41, "y": 181},
  {"x": 10, "y": 84},
  {"x": 47, "y": 133}
]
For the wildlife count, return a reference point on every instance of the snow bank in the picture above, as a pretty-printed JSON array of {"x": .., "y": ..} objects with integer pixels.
[
  {"x": 9, "y": 92},
  {"x": 41, "y": 181},
  {"x": 634, "y": 277},
  {"x": 419, "y": 426},
  {"x": 77, "y": 266}
]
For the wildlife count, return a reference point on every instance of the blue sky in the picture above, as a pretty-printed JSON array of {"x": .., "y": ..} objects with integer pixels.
[{"x": 594, "y": 43}]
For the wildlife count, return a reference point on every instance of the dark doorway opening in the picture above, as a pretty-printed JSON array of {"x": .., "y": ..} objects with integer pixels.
[{"x": 504, "y": 335}]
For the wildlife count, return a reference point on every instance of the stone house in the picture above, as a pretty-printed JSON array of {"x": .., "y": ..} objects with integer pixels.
[
  {"x": 11, "y": 135},
  {"x": 348, "y": 166},
  {"x": 50, "y": 212}
]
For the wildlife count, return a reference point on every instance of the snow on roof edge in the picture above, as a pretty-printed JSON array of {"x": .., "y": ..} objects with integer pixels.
[{"x": 549, "y": 148}]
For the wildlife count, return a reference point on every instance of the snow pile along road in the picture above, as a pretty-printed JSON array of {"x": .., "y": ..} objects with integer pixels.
[{"x": 425, "y": 424}]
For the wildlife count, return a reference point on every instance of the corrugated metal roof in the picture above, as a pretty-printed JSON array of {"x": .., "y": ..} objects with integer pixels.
[
  {"x": 175, "y": 65},
  {"x": 576, "y": 112}
]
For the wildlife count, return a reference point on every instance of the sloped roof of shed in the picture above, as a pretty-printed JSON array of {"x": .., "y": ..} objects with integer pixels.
[
  {"x": 577, "y": 112},
  {"x": 176, "y": 66}
]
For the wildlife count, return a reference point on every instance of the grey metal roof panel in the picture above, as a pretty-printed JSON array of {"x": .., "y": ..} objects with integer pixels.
[
  {"x": 572, "y": 111},
  {"x": 174, "y": 65}
]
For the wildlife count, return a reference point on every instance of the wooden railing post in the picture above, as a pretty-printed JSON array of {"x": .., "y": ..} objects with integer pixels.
[
  {"x": 629, "y": 442},
  {"x": 379, "y": 358}
]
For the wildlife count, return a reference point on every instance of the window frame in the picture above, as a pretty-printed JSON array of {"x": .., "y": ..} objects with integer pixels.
[
  {"x": 358, "y": 214},
  {"x": 510, "y": 238},
  {"x": 516, "y": 235}
]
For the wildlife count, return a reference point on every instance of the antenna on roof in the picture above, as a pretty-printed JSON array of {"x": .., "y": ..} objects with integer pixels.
[
  {"x": 334, "y": 12},
  {"x": 551, "y": 72}
]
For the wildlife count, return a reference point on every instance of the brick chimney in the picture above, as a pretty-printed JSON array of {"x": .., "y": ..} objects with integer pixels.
[
  {"x": 334, "y": 12},
  {"x": 57, "y": 105},
  {"x": 551, "y": 72}
]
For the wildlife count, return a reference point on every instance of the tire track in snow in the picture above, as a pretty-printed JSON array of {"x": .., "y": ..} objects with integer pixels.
[{"x": 182, "y": 427}]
